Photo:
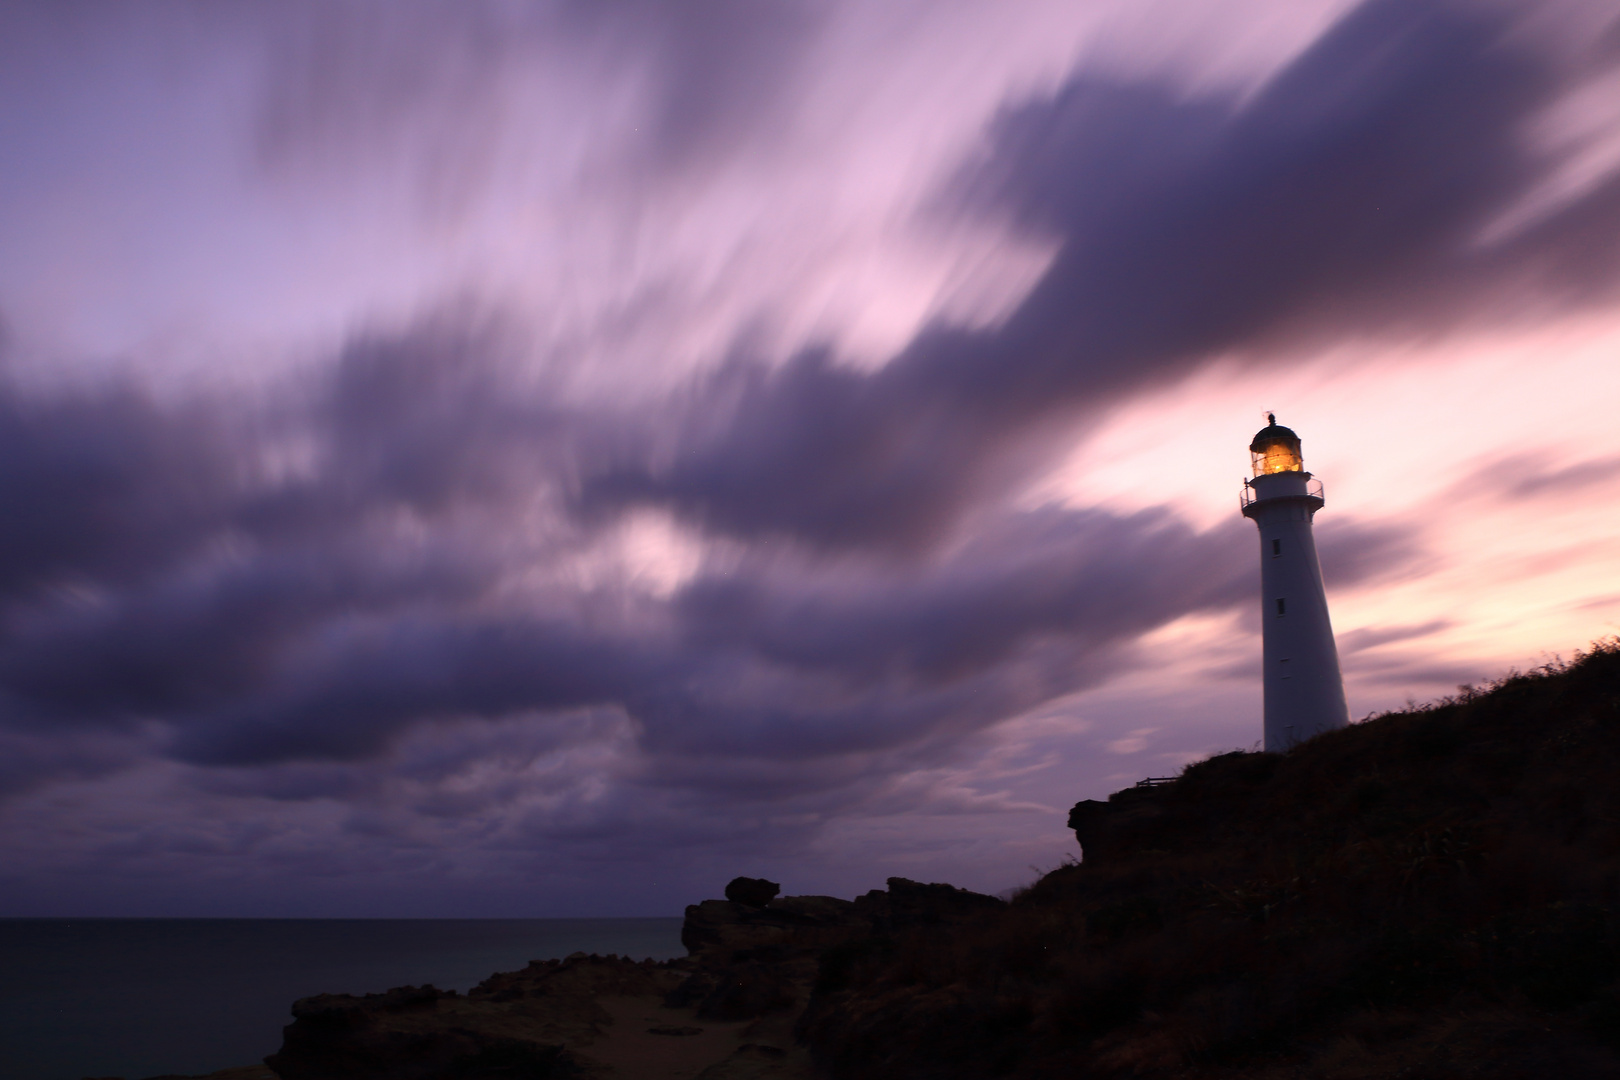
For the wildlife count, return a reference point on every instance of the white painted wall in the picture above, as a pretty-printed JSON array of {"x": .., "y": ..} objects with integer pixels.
[{"x": 1304, "y": 692}]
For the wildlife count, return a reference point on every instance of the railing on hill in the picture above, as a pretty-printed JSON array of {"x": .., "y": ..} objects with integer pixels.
[{"x": 1156, "y": 781}]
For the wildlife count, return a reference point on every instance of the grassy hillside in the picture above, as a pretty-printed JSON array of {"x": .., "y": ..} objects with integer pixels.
[{"x": 1431, "y": 893}]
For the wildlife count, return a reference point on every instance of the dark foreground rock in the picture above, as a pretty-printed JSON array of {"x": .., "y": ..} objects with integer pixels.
[
  {"x": 755, "y": 892},
  {"x": 727, "y": 1011},
  {"x": 520, "y": 1024},
  {"x": 241, "y": 1072},
  {"x": 1432, "y": 894}
]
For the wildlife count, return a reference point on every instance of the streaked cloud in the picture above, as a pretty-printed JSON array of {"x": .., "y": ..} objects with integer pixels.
[{"x": 609, "y": 449}]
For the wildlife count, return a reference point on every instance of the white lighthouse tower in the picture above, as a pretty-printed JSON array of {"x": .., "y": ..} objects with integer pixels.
[{"x": 1304, "y": 690}]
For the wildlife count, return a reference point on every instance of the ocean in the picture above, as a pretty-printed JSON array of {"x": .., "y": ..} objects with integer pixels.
[{"x": 144, "y": 997}]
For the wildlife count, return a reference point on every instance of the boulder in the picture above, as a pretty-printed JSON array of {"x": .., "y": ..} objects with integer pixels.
[
  {"x": 910, "y": 905},
  {"x": 1126, "y": 822},
  {"x": 752, "y": 891},
  {"x": 791, "y": 924}
]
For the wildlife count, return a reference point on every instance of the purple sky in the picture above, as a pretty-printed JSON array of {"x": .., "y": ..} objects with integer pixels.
[{"x": 547, "y": 459}]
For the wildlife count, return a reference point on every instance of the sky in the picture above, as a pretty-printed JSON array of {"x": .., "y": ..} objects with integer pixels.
[{"x": 503, "y": 458}]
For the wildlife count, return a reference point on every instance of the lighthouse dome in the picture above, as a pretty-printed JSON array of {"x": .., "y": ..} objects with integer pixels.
[{"x": 1275, "y": 449}]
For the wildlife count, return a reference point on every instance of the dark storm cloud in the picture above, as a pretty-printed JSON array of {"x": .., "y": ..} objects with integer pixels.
[
  {"x": 308, "y": 577},
  {"x": 30, "y": 761},
  {"x": 426, "y": 422},
  {"x": 365, "y": 581},
  {"x": 162, "y": 560},
  {"x": 878, "y": 656},
  {"x": 350, "y": 704},
  {"x": 113, "y": 487},
  {"x": 319, "y": 610},
  {"x": 166, "y": 559},
  {"x": 1087, "y": 576},
  {"x": 103, "y": 486},
  {"x": 1349, "y": 196}
]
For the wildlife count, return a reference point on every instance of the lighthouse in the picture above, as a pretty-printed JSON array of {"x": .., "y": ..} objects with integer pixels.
[{"x": 1304, "y": 690}]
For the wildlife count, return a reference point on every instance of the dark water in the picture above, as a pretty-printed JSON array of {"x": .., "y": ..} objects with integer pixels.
[{"x": 142, "y": 997}]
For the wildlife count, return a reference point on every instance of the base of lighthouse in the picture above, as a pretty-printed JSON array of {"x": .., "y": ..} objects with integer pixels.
[{"x": 1304, "y": 691}]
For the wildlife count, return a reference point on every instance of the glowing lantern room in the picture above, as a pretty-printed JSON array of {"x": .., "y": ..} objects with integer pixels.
[{"x": 1275, "y": 449}]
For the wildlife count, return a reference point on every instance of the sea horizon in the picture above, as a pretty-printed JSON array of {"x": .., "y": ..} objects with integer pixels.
[{"x": 139, "y": 996}]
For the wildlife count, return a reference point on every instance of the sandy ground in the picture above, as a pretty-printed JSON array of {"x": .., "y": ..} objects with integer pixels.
[{"x": 649, "y": 1041}]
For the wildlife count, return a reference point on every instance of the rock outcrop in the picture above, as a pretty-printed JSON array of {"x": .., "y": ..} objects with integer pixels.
[
  {"x": 526, "y": 1023},
  {"x": 751, "y": 969},
  {"x": 716, "y": 928},
  {"x": 755, "y": 892},
  {"x": 909, "y": 905},
  {"x": 750, "y": 961}
]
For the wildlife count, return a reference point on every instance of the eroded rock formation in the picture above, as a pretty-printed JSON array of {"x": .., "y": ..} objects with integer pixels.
[
  {"x": 726, "y": 1010},
  {"x": 755, "y": 892}
]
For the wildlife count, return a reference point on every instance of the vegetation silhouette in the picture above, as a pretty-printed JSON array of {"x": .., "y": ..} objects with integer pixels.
[{"x": 1433, "y": 892}]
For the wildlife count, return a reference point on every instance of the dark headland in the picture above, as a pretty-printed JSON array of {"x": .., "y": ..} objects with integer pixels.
[{"x": 1430, "y": 894}]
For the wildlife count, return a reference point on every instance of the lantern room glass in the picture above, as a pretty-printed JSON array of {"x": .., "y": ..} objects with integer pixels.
[{"x": 1277, "y": 454}]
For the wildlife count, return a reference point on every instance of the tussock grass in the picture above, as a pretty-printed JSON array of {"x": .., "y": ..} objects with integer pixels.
[{"x": 1432, "y": 892}]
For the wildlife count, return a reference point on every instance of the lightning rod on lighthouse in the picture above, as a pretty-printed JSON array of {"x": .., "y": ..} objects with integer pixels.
[{"x": 1304, "y": 692}]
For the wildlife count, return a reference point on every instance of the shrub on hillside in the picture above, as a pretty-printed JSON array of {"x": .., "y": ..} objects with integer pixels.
[{"x": 1348, "y": 904}]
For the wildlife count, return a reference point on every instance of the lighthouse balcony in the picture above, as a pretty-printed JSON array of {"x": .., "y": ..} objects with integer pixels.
[{"x": 1282, "y": 485}]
